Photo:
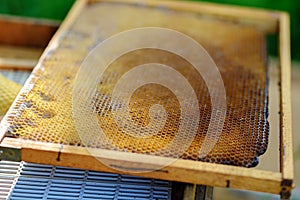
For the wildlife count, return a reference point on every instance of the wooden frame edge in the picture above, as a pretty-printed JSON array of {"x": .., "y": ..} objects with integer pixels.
[
  {"x": 264, "y": 20},
  {"x": 286, "y": 143},
  {"x": 74, "y": 11},
  {"x": 18, "y": 57},
  {"x": 29, "y": 32},
  {"x": 17, "y": 64},
  {"x": 180, "y": 170}
]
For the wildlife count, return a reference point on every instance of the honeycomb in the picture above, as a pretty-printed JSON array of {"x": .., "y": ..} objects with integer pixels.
[
  {"x": 8, "y": 92},
  {"x": 43, "y": 111}
]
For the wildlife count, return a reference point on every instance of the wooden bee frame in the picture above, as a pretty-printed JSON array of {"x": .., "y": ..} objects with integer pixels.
[{"x": 281, "y": 182}]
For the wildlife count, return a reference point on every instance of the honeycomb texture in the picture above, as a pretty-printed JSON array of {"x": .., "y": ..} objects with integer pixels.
[
  {"x": 8, "y": 92},
  {"x": 43, "y": 112}
]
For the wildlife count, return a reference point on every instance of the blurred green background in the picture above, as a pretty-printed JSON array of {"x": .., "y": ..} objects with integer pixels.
[
  {"x": 49, "y": 9},
  {"x": 57, "y": 10}
]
